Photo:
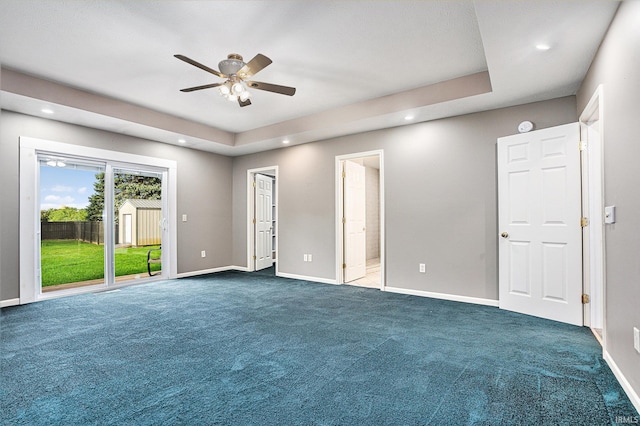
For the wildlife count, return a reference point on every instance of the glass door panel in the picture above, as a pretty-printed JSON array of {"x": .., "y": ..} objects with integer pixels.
[
  {"x": 72, "y": 243},
  {"x": 138, "y": 223}
]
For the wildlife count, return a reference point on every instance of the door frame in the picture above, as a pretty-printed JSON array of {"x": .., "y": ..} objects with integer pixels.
[
  {"x": 251, "y": 235},
  {"x": 593, "y": 199},
  {"x": 339, "y": 203},
  {"x": 30, "y": 288}
]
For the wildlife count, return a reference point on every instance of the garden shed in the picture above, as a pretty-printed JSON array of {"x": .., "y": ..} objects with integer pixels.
[{"x": 139, "y": 222}]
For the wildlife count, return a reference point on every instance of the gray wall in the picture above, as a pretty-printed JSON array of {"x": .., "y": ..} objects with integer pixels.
[
  {"x": 440, "y": 198},
  {"x": 617, "y": 67},
  {"x": 204, "y": 192}
]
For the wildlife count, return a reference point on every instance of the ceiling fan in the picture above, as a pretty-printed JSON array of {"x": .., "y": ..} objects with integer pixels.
[{"x": 236, "y": 72}]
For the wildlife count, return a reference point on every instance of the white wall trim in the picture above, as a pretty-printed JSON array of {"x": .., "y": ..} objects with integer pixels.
[
  {"x": 594, "y": 250},
  {"x": 239, "y": 268},
  {"x": 9, "y": 302},
  {"x": 443, "y": 296},
  {"x": 210, "y": 271},
  {"x": 631, "y": 393},
  {"x": 306, "y": 278}
]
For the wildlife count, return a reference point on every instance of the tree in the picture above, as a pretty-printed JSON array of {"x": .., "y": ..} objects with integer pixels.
[
  {"x": 96, "y": 200},
  {"x": 127, "y": 186},
  {"x": 63, "y": 214}
]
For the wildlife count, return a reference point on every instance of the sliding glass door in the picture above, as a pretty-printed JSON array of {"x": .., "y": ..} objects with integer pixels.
[
  {"x": 101, "y": 223},
  {"x": 72, "y": 233},
  {"x": 138, "y": 223}
]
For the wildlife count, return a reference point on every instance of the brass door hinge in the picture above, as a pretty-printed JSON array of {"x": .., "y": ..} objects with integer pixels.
[
  {"x": 344, "y": 220},
  {"x": 344, "y": 175},
  {"x": 254, "y": 220},
  {"x": 254, "y": 257},
  {"x": 585, "y": 299},
  {"x": 344, "y": 266},
  {"x": 584, "y": 222}
]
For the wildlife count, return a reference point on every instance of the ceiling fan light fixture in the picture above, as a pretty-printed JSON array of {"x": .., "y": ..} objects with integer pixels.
[
  {"x": 244, "y": 96},
  {"x": 231, "y": 65},
  {"x": 224, "y": 90},
  {"x": 234, "y": 70},
  {"x": 237, "y": 88}
]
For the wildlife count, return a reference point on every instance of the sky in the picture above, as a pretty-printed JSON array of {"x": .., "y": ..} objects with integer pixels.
[{"x": 60, "y": 186}]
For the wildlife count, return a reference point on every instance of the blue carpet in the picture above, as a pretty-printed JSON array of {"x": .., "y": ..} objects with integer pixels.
[{"x": 239, "y": 349}]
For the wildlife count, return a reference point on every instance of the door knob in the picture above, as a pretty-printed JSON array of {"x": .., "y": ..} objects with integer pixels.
[{"x": 505, "y": 235}]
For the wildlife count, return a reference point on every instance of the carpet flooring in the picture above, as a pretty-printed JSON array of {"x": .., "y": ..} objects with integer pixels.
[{"x": 238, "y": 348}]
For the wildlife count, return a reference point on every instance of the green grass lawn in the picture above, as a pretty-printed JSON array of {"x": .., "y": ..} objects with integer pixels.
[{"x": 71, "y": 261}]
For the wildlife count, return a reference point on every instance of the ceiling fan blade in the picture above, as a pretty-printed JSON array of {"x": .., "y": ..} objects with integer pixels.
[
  {"x": 206, "y": 86},
  {"x": 258, "y": 63},
  {"x": 199, "y": 65},
  {"x": 283, "y": 90},
  {"x": 244, "y": 103}
]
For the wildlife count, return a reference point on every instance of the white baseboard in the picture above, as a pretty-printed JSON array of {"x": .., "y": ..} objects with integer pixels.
[
  {"x": 207, "y": 271},
  {"x": 9, "y": 302},
  {"x": 631, "y": 393},
  {"x": 306, "y": 278},
  {"x": 443, "y": 296},
  {"x": 240, "y": 268}
]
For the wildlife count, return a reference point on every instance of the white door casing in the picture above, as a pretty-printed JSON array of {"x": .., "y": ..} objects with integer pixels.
[
  {"x": 591, "y": 134},
  {"x": 264, "y": 224},
  {"x": 355, "y": 248},
  {"x": 540, "y": 244}
]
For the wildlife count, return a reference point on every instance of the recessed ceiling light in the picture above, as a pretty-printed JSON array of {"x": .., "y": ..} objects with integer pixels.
[
  {"x": 47, "y": 110},
  {"x": 408, "y": 117},
  {"x": 182, "y": 141},
  {"x": 543, "y": 46},
  {"x": 285, "y": 142}
]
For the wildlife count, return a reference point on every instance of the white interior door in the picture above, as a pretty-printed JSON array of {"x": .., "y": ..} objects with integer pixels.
[
  {"x": 264, "y": 221},
  {"x": 539, "y": 210},
  {"x": 355, "y": 243}
]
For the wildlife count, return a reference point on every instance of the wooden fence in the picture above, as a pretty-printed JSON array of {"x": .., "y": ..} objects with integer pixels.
[{"x": 91, "y": 232}]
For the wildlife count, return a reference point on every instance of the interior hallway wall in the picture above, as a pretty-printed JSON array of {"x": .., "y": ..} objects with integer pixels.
[
  {"x": 617, "y": 67},
  {"x": 372, "y": 201},
  {"x": 204, "y": 192},
  {"x": 440, "y": 199}
]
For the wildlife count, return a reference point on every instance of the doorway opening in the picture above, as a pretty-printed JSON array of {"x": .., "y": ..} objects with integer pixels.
[
  {"x": 592, "y": 137},
  {"x": 262, "y": 214},
  {"x": 360, "y": 254}
]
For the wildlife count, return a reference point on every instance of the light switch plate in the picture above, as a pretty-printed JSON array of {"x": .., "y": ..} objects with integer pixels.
[
  {"x": 184, "y": 217},
  {"x": 610, "y": 214}
]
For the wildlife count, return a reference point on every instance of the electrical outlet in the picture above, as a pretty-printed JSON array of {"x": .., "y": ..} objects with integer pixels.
[
  {"x": 636, "y": 339},
  {"x": 423, "y": 268},
  {"x": 310, "y": 258},
  {"x": 306, "y": 257},
  {"x": 203, "y": 253},
  {"x": 184, "y": 217}
]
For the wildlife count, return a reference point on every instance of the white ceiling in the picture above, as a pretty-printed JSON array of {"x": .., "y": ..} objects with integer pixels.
[{"x": 357, "y": 65}]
